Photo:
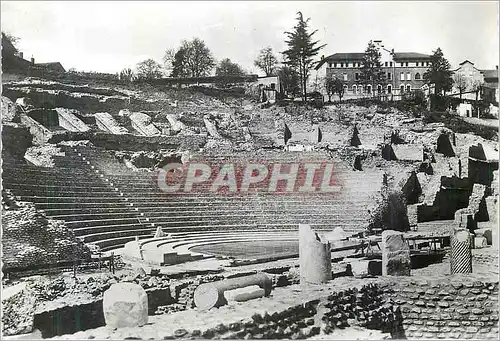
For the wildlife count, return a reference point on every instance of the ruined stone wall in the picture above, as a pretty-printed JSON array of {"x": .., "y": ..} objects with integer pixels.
[
  {"x": 451, "y": 308},
  {"x": 30, "y": 239},
  {"x": 152, "y": 143},
  {"x": 15, "y": 138}
]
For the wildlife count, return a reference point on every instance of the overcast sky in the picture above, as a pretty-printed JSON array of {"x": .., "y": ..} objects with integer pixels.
[{"x": 108, "y": 36}]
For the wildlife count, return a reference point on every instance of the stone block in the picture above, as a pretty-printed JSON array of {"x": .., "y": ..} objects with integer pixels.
[
  {"x": 395, "y": 254},
  {"x": 365, "y": 268},
  {"x": 244, "y": 294},
  {"x": 125, "y": 305},
  {"x": 314, "y": 257},
  {"x": 480, "y": 242},
  {"x": 486, "y": 233}
]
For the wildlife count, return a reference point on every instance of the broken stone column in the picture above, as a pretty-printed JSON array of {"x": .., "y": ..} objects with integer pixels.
[
  {"x": 209, "y": 295},
  {"x": 395, "y": 254},
  {"x": 244, "y": 294},
  {"x": 125, "y": 305},
  {"x": 314, "y": 257},
  {"x": 461, "y": 251}
]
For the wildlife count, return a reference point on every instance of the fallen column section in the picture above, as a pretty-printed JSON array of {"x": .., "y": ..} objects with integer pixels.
[{"x": 209, "y": 295}]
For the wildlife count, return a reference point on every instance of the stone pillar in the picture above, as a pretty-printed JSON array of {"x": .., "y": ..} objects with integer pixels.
[
  {"x": 315, "y": 257},
  {"x": 395, "y": 254},
  {"x": 461, "y": 253},
  {"x": 492, "y": 207}
]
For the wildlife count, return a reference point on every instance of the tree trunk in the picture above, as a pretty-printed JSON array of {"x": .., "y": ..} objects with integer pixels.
[{"x": 304, "y": 82}]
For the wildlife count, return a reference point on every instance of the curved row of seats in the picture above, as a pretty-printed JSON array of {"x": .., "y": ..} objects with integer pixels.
[
  {"x": 108, "y": 204},
  {"x": 176, "y": 248}
]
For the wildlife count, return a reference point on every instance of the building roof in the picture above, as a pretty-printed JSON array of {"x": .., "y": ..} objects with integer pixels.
[
  {"x": 466, "y": 61},
  {"x": 490, "y": 73},
  {"x": 51, "y": 66},
  {"x": 341, "y": 57},
  {"x": 358, "y": 56},
  {"x": 410, "y": 56}
]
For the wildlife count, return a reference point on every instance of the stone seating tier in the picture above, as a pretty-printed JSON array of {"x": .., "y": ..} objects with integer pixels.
[{"x": 109, "y": 208}]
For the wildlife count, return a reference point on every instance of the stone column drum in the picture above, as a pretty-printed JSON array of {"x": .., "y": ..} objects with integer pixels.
[
  {"x": 315, "y": 257},
  {"x": 396, "y": 259},
  {"x": 461, "y": 252}
]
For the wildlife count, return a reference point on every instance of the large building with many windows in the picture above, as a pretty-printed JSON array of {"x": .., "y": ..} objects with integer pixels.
[{"x": 403, "y": 72}]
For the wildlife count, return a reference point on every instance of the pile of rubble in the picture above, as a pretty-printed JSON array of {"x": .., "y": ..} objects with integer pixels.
[{"x": 29, "y": 238}]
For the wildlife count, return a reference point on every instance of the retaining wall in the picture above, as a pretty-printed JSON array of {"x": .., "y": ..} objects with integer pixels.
[{"x": 450, "y": 307}]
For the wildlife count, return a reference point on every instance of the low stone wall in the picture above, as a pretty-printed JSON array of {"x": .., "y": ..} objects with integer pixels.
[
  {"x": 148, "y": 143},
  {"x": 449, "y": 307},
  {"x": 294, "y": 312}
]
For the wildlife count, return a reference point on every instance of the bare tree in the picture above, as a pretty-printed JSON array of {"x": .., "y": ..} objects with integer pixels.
[
  {"x": 330, "y": 86},
  {"x": 338, "y": 85},
  {"x": 168, "y": 59},
  {"x": 266, "y": 61},
  {"x": 148, "y": 69},
  {"x": 477, "y": 87},
  {"x": 461, "y": 83}
]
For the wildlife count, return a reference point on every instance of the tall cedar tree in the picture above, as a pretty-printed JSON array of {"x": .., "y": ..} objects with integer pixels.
[
  {"x": 301, "y": 50},
  {"x": 371, "y": 69},
  {"x": 439, "y": 73},
  {"x": 266, "y": 61}
]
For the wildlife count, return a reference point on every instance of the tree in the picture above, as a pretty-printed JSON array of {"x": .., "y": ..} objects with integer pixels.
[
  {"x": 461, "y": 83},
  {"x": 12, "y": 39},
  {"x": 477, "y": 86},
  {"x": 289, "y": 79},
  {"x": 266, "y": 61},
  {"x": 439, "y": 73},
  {"x": 301, "y": 50},
  {"x": 148, "y": 69},
  {"x": 227, "y": 68},
  {"x": 126, "y": 75},
  {"x": 339, "y": 88},
  {"x": 330, "y": 86},
  {"x": 168, "y": 59},
  {"x": 371, "y": 69},
  {"x": 192, "y": 59}
]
